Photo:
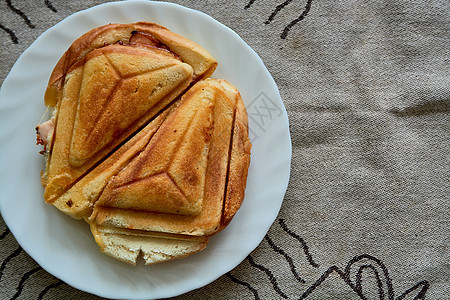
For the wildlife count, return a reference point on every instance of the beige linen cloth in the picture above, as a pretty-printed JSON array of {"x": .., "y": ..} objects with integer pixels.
[{"x": 366, "y": 85}]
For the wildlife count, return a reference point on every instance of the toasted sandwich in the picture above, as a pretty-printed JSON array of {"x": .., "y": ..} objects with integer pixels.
[
  {"x": 187, "y": 183},
  {"x": 110, "y": 83},
  {"x": 142, "y": 145}
]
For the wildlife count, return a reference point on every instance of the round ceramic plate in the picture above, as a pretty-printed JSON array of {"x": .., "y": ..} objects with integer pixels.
[{"x": 63, "y": 246}]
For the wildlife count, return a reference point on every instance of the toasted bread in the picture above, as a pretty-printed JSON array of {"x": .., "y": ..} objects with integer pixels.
[
  {"x": 202, "y": 62},
  {"x": 78, "y": 200},
  {"x": 146, "y": 149},
  {"x": 91, "y": 81},
  {"x": 126, "y": 245},
  {"x": 113, "y": 207},
  {"x": 195, "y": 146}
]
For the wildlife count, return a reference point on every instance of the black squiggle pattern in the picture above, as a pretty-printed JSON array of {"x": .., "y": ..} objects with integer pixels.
[
  {"x": 237, "y": 281},
  {"x": 421, "y": 295},
  {"x": 22, "y": 281},
  {"x": 50, "y": 6},
  {"x": 325, "y": 275},
  {"x": 49, "y": 287},
  {"x": 4, "y": 234},
  {"x": 8, "y": 258},
  {"x": 11, "y": 33},
  {"x": 287, "y": 257},
  {"x": 351, "y": 275},
  {"x": 390, "y": 290},
  {"x": 293, "y": 22},
  {"x": 269, "y": 274},
  {"x": 356, "y": 286},
  {"x": 277, "y": 10},
  {"x": 20, "y": 13},
  {"x": 377, "y": 276},
  {"x": 249, "y": 4},
  {"x": 302, "y": 242}
]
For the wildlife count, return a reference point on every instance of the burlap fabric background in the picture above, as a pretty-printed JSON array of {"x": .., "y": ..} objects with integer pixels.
[{"x": 366, "y": 88}]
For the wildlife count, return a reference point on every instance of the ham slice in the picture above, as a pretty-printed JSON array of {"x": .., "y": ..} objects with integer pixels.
[{"x": 43, "y": 131}]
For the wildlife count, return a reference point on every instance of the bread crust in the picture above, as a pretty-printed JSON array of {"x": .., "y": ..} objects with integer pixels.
[
  {"x": 201, "y": 60},
  {"x": 228, "y": 159},
  {"x": 219, "y": 203},
  {"x": 239, "y": 160},
  {"x": 93, "y": 119},
  {"x": 88, "y": 82},
  {"x": 158, "y": 179},
  {"x": 127, "y": 245}
]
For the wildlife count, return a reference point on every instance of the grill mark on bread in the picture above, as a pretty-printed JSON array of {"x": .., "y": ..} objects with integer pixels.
[
  {"x": 163, "y": 173},
  {"x": 113, "y": 66},
  {"x": 78, "y": 108},
  {"x": 146, "y": 151},
  {"x": 160, "y": 110},
  {"x": 132, "y": 157},
  {"x": 105, "y": 157},
  {"x": 104, "y": 107},
  {"x": 137, "y": 232},
  {"x": 129, "y": 183},
  {"x": 80, "y": 135},
  {"x": 150, "y": 71},
  {"x": 230, "y": 149},
  {"x": 180, "y": 142},
  {"x": 120, "y": 75},
  {"x": 123, "y": 49},
  {"x": 105, "y": 101},
  {"x": 175, "y": 183},
  {"x": 138, "y": 168},
  {"x": 208, "y": 164}
]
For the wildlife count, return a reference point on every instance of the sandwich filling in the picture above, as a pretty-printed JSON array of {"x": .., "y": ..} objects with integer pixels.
[{"x": 44, "y": 132}]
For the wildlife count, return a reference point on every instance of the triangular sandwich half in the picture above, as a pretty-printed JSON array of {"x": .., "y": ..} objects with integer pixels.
[
  {"x": 181, "y": 180},
  {"x": 108, "y": 85}
]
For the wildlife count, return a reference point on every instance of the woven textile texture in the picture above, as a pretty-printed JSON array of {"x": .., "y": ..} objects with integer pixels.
[{"x": 366, "y": 85}]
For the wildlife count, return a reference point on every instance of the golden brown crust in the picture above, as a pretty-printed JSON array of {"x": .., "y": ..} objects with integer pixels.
[
  {"x": 120, "y": 224},
  {"x": 89, "y": 41},
  {"x": 110, "y": 75},
  {"x": 170, "y": 173},
  {"x": 201, "y": 61},
  {"x": 181, "y": 178},
  {"x": 78, "y": 201},
  {"x": 215, "y": 215},
  {"x": 93, "y": 118},
  {"x": 239, "y": 162},
  {"x": 98, "y": 71}
]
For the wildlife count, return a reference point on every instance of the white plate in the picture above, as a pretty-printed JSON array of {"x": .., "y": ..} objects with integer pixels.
[{"x": 65, "y": 247}]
